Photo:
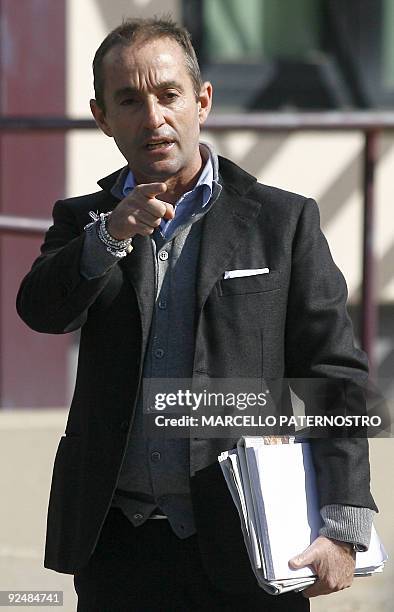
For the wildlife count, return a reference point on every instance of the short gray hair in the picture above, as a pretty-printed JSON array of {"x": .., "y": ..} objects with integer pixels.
[{"x": 145, "y": 29}]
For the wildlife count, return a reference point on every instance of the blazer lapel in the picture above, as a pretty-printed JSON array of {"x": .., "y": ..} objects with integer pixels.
[{"x": 224, "y": 229}]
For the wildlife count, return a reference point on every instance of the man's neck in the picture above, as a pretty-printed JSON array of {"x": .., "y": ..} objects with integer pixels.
[{"x": 178, "y": 185}]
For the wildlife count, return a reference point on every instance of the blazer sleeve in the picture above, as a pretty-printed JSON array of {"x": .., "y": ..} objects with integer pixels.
[
  {"x": 320, "y": 344},
  {"x": 54, "y": 297}
]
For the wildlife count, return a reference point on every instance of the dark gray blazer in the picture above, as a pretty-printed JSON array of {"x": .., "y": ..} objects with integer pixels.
[{"x": 291, "y": 322}]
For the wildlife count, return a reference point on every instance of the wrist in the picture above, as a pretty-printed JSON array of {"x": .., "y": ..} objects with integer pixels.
[
  {"x": 114, "y": 232},
  {"x": 118, "y": 248},
  {"x": 348, "y": 546}
]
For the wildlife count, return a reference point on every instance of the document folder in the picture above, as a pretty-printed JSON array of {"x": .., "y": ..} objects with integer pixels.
[{"x": 273, "y": 486}]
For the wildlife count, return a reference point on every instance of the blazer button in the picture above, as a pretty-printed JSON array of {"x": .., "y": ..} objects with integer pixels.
[{"x": 124, "y": 426}]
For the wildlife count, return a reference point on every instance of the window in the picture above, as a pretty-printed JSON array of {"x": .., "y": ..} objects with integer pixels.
[{"x": 306, "y": 54}]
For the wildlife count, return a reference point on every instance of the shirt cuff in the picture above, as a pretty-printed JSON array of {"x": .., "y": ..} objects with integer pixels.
[
  {"x": 95, "y": 259},
  {"x": 347, "y": 524}
]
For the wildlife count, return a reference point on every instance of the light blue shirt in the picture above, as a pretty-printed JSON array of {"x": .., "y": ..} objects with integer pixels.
[{"x": 188, "y": 205}]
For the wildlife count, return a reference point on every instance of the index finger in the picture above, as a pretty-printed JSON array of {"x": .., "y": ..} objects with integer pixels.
[{"x": 150, "y": 190}]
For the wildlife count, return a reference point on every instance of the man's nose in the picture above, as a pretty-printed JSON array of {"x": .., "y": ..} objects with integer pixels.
[{"x": 153, "y": 116}]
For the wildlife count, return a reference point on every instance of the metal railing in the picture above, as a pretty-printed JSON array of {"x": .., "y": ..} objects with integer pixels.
[{"x": 371, "y": 123}]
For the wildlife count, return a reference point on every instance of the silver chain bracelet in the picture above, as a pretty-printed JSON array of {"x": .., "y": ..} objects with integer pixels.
[{"x": 118, "y": 248}]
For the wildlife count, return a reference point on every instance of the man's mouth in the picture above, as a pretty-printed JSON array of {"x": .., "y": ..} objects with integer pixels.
[{"x": 159, "y": 144}]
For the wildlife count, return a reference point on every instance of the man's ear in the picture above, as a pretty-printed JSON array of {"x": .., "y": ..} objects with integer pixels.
[
  {"x": 204, "y": 101},
  {"x": 99, "y": 117}
]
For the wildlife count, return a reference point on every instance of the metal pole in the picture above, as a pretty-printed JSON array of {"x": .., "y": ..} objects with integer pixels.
[
  {"x": 23, "y": 225},
  {"x": 368, "y": 299}
]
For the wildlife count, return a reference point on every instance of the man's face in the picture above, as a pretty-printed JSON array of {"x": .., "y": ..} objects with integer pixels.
[{"x": 151, "y": 110}]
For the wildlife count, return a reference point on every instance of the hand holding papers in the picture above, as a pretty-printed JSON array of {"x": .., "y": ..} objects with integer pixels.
[{"x": 273, "y": 487}]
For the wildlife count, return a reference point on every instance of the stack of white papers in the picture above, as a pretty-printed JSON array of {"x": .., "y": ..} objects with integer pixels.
[{"x": 273, "y": 486}]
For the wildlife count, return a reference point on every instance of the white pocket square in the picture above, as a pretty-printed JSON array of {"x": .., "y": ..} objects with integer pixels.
[{"x": 238, "y": 273}]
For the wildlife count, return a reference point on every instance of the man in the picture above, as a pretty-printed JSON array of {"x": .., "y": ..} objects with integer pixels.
[{"x": 145, "y": 524}]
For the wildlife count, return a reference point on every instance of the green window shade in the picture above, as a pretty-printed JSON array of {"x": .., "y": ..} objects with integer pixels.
[{"x": 245, "y": 30}]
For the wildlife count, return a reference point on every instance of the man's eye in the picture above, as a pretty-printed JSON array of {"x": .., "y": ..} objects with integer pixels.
[
  {"x": 170, "y": 95},
  {"x": 127, "y": 102}
]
